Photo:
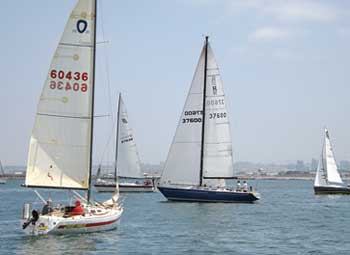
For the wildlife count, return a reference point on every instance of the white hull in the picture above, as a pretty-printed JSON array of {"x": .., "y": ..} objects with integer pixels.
[
  {"x": 3, "y": 181},
  {"x": 125, "y": 187},
  {"x": 95, "y": 220}
]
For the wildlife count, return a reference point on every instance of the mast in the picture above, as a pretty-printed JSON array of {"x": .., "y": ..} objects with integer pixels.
[
  {"x": 203, "y": 111},
  {"x": 117, "y": 141},
  {"x": 92, "y": 104}
]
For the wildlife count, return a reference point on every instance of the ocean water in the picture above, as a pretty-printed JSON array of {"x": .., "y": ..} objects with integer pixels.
[{"x": 289, "y": 219}]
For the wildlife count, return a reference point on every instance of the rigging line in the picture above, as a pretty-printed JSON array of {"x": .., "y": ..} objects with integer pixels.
[
  {"x": 108, "y": 87},
  {"x": 101, "y": 116},
  {"x": 106, "y": 63}
]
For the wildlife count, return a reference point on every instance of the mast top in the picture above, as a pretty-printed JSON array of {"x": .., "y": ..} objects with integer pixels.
[{"x": 206, "y": 39}]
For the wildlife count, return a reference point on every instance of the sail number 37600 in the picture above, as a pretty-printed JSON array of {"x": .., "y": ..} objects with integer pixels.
[{"x": 69, "y": 80}]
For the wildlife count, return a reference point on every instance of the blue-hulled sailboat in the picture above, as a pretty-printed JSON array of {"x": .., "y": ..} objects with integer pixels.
[{"x": 200, "y": 157}]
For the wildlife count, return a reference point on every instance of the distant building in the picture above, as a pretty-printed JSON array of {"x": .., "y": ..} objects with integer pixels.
[
  {"x": 344, "y": 165},
  {"x": 314, "y": 164},
  {"x": 300, "y": 166}
]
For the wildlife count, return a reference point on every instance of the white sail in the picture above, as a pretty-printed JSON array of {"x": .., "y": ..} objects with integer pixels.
[
  {"x": 333, "y": 176},
  {"x": 183, "y": 163},
  {"x": 59, "y": 153},
  {"x": 128, "y": 163},
  {"x": 2, "y": 171},
  {"x": 320, "y": 179},
  {"x": 218, "y": 160}
]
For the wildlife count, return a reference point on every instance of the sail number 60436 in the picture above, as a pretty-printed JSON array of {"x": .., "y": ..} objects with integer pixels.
[
  {"x": 69, "y": 75},
  {"x": 68, "y": 80}
]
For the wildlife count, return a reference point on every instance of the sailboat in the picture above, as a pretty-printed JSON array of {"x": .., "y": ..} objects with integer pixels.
[
  {"x": 60, "y": 150},
  {"x": 2, "y": 176},
  {"x": 127, "y": 160},
  {"x": 328, "y": 179},
  {"x": 200, "y": 157}
]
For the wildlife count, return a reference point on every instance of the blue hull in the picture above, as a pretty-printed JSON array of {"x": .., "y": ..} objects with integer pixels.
[
  {"x": 331, "y": 190},
  {"x": 199, "y": 195}
]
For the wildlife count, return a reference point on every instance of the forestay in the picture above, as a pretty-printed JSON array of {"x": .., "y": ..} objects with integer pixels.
[
  {"x": 128, "y": 163},
  {"x": 59, "y": 153},
  {"x": 333, "y": 175}
]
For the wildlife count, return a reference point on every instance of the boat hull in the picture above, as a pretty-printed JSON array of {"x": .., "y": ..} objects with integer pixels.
[
  {"x": 324, "y": 190},
  {"x": 74, "y": 225},
  {"x": 124, "y": 187},
  {"x": 206, "y": 195}
]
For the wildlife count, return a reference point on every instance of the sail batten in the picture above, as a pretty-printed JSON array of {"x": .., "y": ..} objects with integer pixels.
[
  {"x": 60, "y": 144},
  {"x": 76, "y": 45}
]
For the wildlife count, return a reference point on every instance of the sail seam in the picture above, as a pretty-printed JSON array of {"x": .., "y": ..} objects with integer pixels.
[
  {"x": 76, "y": 45},
  {"x": 215, "y": 96}
]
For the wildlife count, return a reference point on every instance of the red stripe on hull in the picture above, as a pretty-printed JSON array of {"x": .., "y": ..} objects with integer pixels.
[{"x": 87, "y": 225}]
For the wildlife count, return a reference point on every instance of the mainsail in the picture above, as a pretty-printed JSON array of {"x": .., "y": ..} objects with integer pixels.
[
  {"x": 128, "y": 160},
  {"x": 59, "y": 152},
  {"x": 218, "y": 160},
  {"x": 184, "y": 159}
]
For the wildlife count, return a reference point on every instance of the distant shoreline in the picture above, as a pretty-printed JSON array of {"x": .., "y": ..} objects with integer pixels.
[{"x": 242, "y": 177}]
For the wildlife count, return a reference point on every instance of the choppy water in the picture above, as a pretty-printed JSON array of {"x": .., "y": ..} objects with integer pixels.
[{"x": 289, "y": 219}]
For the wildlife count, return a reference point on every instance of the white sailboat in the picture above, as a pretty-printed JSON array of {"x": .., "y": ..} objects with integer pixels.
[
  {"x": 328, "y": 179},
  {"x": 60, "y": 151},
  {"x": 2, "y": 176},
  {"x": 127, "y": 160},
  {"x": 200, "y": 157}
]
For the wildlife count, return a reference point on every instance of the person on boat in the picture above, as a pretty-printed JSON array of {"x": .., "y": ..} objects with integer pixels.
[
  {"x": 245, "y": 186},
  {"x": 77, "y": 210},
  {"x": 238, "y": 188},
  {"x": 47, "y": 208}
]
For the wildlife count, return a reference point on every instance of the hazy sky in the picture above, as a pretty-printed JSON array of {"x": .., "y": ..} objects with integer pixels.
[{"x": 284, "y": 64}]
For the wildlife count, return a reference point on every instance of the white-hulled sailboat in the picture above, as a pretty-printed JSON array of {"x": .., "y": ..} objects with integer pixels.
[
  {"x": 127, "y": 160},
  {"x": 200, "y": 157},
  {"x": 60, "y": 151},
  {"x": 328, "y": 179}
]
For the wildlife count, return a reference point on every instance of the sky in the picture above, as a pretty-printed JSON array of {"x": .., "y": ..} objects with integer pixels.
[{"x": 284, "y": 65}]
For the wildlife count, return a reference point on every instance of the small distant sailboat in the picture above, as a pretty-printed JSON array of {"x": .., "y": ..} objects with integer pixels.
[
  {"x": 127, "y": 160},
  {"x": 328, "y": 179},
  {"x": 200, "y": 157},
  {"x": 60, "y": 151},
  {"x": 2, "y": 176}
]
